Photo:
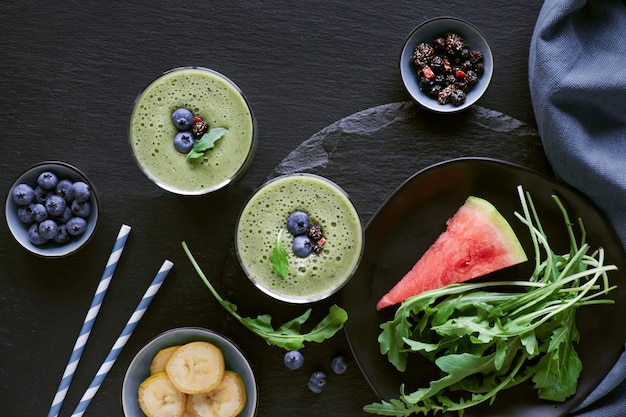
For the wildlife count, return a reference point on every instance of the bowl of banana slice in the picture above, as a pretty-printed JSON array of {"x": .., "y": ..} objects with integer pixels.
[{"x": 189, "y": 371}]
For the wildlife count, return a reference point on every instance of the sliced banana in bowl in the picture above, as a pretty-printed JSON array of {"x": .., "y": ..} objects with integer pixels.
[
  {"x": 210, "y": 372},
  {"x": 196, "y": 367}
]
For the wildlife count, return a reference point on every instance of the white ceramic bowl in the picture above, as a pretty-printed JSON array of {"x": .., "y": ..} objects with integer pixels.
[
  {"x": 19, "y": 229},
  {"x": 426, "y": 33},
  {"x": 139, "y": 368}
]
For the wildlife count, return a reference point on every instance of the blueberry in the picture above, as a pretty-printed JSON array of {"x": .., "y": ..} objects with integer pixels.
[
  {"x": 66, "y": 215},
  {"x": 294, "y": 359},
  {"x": 76, "y": 226},
  {"x": 48, "y": 229},
  {"x": 339, "y": 365},
  {"x": 182, "y": 119},
  {"x": 23, "y": 194},
  {"x": 302, "y": 246},
  {"x": 47, "y": 180},
  {"x": 55, "y": 205},
  {"x": 80, "y": 191},
  {"x": 61, "y": 236},
  {"x": 33, "y": 235},
  {"x": 25, "y": 215},
  {"x": 81, "y": 209},
  {"x": 317, "y": 382},
  {"x": 41, "y": 194},
  {"x": 184, "y": 141},
  {"x": 38, "y": 211},
  {"x": 64, "y": 189},
  {"x": 298, "y": 223}
]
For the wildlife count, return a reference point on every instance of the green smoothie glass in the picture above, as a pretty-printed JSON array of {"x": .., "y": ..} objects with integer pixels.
[
  {"x": 216, "y": 100},
  {"x": 263, "y": 218}
]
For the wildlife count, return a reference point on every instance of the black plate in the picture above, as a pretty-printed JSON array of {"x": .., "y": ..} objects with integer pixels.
[{"x": 410, "y": 221}]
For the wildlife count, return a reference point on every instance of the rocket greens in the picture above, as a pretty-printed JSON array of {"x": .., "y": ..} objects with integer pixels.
[
  {"x": 288, "y": 336},
  {"x": 487, "y": 337}
]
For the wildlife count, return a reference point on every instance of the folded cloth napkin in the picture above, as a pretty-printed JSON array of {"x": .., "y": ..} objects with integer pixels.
[{"x": 578, "y": 89}]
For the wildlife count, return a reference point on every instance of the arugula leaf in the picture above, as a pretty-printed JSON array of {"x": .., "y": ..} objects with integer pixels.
[
  {"x": 484, "y": 339},
  {"x": 279, "y": 258},
  {"x": 288, "y": 336},
  {"x": 206, "y": 142}
]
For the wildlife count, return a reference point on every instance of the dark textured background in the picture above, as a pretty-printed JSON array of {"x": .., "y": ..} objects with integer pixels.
[{"x": 69, "y": 73}]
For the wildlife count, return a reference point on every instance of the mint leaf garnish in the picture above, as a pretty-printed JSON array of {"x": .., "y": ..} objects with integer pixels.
[
  {"x": 206, "y": 142},
  {"x": 278, "y": 257}
]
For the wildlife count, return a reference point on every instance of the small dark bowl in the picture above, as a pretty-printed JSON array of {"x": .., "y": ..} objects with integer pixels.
[
  {"x": 19, "y": 229},
  {"x": 426, "y": 33}
]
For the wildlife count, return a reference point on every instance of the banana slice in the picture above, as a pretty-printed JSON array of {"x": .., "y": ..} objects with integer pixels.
[
  {"x": 225, "y": 400},
  {"x": 196, "y": 367},
  {"x": 160, "y": 359},
  {"x": 158, "y": 397}
]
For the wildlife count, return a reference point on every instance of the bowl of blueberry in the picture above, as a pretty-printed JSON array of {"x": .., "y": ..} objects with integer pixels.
[
  {"x": 446, "y": 64},
  {"x": 52, "y": 209}
]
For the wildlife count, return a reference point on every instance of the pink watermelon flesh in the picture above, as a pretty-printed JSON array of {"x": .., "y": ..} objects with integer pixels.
[{"x": 477, "y": 241}]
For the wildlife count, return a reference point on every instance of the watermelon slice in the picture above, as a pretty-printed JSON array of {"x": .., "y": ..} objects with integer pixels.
[{"x": 477, "y": 241}]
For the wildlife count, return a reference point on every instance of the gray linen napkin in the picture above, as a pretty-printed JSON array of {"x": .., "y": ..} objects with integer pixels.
[{"x": 576, "y": 73}]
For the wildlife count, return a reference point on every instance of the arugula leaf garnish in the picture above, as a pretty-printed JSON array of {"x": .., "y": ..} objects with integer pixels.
[
  {"x": 490, "y": 336},
  {"x": 206, "y": 142},
  {"x": 288, "y": 336},
  {"x": 279, "y": 258}
]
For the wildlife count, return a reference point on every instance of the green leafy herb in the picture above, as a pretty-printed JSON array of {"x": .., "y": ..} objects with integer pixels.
[
  {"x": 206, "y": 142},
  {"x": 487, "y": 337},
  {"x": 288, "y": 335},
  {"x": 279, "y": 258}
]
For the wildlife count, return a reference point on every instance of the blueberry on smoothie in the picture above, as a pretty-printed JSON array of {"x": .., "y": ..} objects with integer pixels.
[
  {"x": 298, "y": 223},
  {"x": 184, "y": 141},
  {"x": 302, "y": 246},
  {"x": 182, "y": 118}
]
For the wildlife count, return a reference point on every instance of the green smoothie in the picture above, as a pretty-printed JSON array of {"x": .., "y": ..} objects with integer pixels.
[
  {"x": 214, "y": 98},
  {"x": 316, "y": 276}
]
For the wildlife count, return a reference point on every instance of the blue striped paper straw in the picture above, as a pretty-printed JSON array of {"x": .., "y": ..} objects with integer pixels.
[
  {"x": 90, "y": 318},
  {"x": 122, "y": 339}
]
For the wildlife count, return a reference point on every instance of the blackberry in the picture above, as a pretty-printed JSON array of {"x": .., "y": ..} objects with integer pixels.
[
  {"x": 475, "y": 57},
  {"x": 457, "y": 97},
  {"x": 436, "y": 63},
  {"x": 439, "y": 44},
  {"x": 444, "y": 95},
  {"x": 199, "y": 128},
  {"x": 447, "y": 68},
  {"x": 315, "y": 232},
  {"x": 454, "y": 44},
  {"x": 422, "y": 55},
  {"x": 480, "y": 69},
  {"x": 471, "y": 78},
  {"x": 317, "y": 248}
]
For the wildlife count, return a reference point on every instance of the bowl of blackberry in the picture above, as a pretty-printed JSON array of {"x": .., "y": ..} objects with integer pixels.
[
  {"x": 446, "y": 64},
  {"x": 52, "y": 209}
]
